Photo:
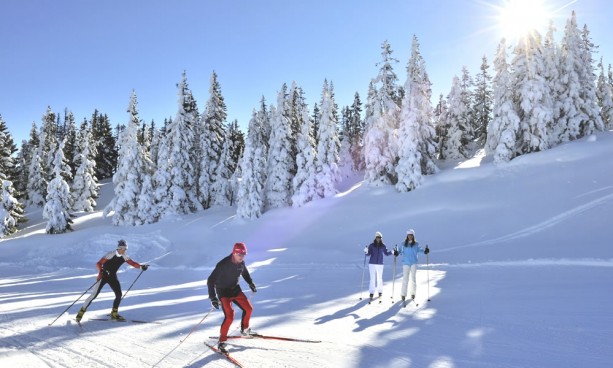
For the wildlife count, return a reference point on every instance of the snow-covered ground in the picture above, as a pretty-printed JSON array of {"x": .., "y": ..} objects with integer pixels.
[{"x": 520, "y": 275}]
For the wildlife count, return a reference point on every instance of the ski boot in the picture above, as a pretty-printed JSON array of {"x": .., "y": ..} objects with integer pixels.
[
  {"x": 248, "y": 332},
  {"x": 115, "y": 315},
  {"x": 80, "y": 314},
  {"x": 222, "y": 347}
]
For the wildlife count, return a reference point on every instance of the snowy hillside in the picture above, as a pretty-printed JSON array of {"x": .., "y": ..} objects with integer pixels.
[{"x": 520, "y": 275}]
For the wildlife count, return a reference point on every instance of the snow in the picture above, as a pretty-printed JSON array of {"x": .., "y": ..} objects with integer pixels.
[{"x": 519, "y": 275}]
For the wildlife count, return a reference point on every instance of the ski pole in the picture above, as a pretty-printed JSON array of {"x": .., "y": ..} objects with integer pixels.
[
  {"x": 133, "y": 282},
  {"x": 428, "y": 272},
  {"x": 394, "y": 275},
  {"x": 73, "y": 303},
  {"x": 363, "y": 270},
  {"x": 185, "y": 338}
]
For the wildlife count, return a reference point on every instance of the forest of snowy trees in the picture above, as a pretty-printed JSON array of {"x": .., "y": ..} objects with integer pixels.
[{"x": 540, "y": 93}]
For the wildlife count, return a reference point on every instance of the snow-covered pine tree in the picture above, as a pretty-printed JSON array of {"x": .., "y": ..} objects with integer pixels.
[
  {"x": 222, "y": 187},
  {"x": 104, "y": 144},
  {"x": 438, "y": 118},
  {"x": 504, "y": 128},
  {"x": 24, "y": 158},
  {"x": 604, "y": 93},
  {"x": 567, "y": 108},
  {"x": 250, "y": 201},
  {"x": 84, "y": 190},
  {"x": 345, "y": 160},
  {"x": 280, "y": 162},
  {"x": 482, "y": 102},
  {"x": 416, "y": 112},
  {"x": 326, "y": 159},
  {"x": 356, "y": 134},
  {"x": 466, "y": 85},
  {"x": 11, "y": 211},
  {"x": 37, "y": 183},
  {"x": 589, "y": 106},
  {"x": 57, "y": 206},
  {"x": 133, "y": 167},
  {"x": 533, "y": 95},
  {"x": 303, "y": 183},
  {"x": 69, "y": 133},
  {"x": 454, "y": 144},
  {"x": 236, "y": 147},
  {"x": 212, "y": 133},
  {"x": 182, "y": 189},
  {"x": 49, "y": 137},
  {"x": 7, "y": 150},
  {"x": 381, "y": 137},
  {"x": 551, "y": 73}
]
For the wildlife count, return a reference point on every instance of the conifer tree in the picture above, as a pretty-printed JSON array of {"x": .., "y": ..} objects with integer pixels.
[
  {"x": 280, "y": 163},
  {"x": 133, "y": 167},
  {"x": 345, "y": 161},
  {"x": 84, "y": 190},
  {"x": 482, "y": 102},
  {"x": 503, "y": 130},
  {"x": 356, "y": 134},
  {"x": 415, "y": 153},
  {"x": 533, "y": 96},
  {"x": 303, "y": 183},
  {"x": 604, "y": 93},
  {"x": 250, "y": 201},
  {"x": 326, "y": 161},
  {"x": 105, "y": 145},
  {"x": 182, "y": 182},
  {"x": 7, "y": 150},
  {"x": 11, "y": 210},
  {"x": 381, "y": 137},
  {"x": 37, "y": 183},
  {"x": 454, "y": 144},
  {"x": 589, "y": 100},
  {"x": 222, "y": 187},
  {"x": 213, "y": 131},
  {"x": 57, "y": 206}
]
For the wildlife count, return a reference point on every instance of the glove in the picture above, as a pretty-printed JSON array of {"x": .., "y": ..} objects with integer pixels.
[
  {"x": 427, "y": 250},
  {"x": 105, "y": 273},
  {"x": 144, "y": 267},
  {"x": 366, "y": 250},
  {"x": 252, "y": 287},
  {"x": 395, "y": 253},
  {"x": 215, "y": 302}
]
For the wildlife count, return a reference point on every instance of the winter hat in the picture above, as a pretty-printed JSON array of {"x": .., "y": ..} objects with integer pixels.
[
  {"x": 378, "y": 235},
  {"x": 122, "y": 244},
  {"x": 411, "y": 232},
  {"x": 240, "y": 248}
]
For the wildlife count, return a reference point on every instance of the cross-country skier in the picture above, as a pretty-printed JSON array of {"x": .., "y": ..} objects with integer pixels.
[
  {"x": 107, "y": 274},
  {"x": 223, "y": 284},
  {"x": 376, "y": 250},
  {"x": 408, "y": 250}
]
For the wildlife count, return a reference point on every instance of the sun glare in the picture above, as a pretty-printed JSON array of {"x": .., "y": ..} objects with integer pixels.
[{"x": 518, "y": 18}]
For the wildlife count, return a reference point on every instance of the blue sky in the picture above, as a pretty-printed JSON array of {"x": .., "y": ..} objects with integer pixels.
[{"x": 86, "y": 55}]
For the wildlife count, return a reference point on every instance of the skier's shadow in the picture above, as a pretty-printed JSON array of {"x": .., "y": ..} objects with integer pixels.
[
  {"x": 385, "y": 316},
  {"x": 347, "y": 312}
]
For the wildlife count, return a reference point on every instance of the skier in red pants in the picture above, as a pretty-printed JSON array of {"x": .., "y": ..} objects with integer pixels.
[{"x": 223, "y": 283}]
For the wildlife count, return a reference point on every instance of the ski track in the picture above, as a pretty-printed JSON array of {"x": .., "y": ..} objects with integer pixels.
[{"x": 538, "y": 227}]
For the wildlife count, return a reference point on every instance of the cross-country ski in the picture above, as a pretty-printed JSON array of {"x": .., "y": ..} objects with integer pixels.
[{"x": 225, "y": 355}]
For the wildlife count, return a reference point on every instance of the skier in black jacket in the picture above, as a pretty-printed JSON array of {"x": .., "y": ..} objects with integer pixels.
[
  {"x": 223, "y": 284},
  {"x": 107, "y": 274}
]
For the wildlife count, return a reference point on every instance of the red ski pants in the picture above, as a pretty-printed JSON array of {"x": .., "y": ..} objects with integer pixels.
[{"x": 244, "y": 304}]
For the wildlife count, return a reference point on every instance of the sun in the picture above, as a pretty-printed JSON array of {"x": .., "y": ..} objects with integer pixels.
[{"x": 517, "y": 18}]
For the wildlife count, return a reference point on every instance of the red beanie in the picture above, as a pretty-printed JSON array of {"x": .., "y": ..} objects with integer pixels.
[{"x": 240, "y": 248}]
